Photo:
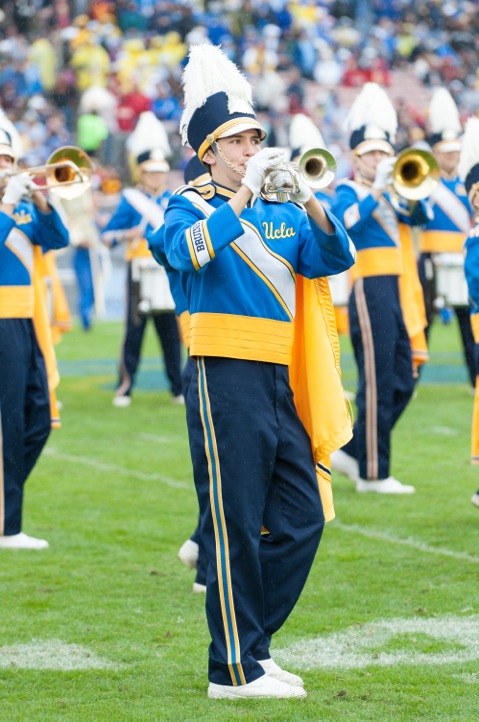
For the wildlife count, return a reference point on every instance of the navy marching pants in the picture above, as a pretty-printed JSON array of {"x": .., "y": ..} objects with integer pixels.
[
  {"x": 24, "y": 415},
  {"x": 202, "y": 564},
  {"x": 385, "y": 373},
  {"x": 166, "y": 327},
  {"x": 253, "y": 468},
  {"x": 463, "y": 313}
]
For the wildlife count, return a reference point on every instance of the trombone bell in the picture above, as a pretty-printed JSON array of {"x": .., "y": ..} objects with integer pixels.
[
  {"x": 415, "y": 174},
  {"x": 68, "y": 172}
]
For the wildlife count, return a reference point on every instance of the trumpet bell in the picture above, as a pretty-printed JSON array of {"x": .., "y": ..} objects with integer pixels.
[
  {"x": 68, "y": 172},
  {"x": 415, "y": 174},
  {"x": 318, "y": 167}
]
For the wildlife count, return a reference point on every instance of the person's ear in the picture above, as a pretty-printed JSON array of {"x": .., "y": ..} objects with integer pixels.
[{"x": 209, "y": 157}]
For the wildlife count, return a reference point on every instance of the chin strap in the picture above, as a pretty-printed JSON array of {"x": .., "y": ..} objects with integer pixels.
[{"x": 217, "y": 149}]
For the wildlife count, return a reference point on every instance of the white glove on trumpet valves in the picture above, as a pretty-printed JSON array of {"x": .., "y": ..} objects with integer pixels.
[
  {"x": 258, "y": 165},
  {"x": 18, "y": 187},
  {"x": 383, "y": 174}
]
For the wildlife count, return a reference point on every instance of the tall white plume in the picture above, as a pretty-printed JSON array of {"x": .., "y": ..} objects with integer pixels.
[
  {"x": 6, "y": 124},
  {"x": 149, "y": 134},
  {"x": 470, "y": 148},
  {"x": 210, "y": 71},
  {"x": 443, "y": 113},
  {"x": 372, "y": 107},
  {"x": 304, "y": 134}
]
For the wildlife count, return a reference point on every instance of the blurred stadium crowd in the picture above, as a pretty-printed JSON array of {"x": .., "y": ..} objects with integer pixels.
[{"x": 81, "y": 72}]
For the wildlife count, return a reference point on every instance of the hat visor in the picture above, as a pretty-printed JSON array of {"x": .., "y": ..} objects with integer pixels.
[
  {"x": 155, "y": 166},
  {"x": 241, "y": 127},
  {"x": 7, "y": 150},
  {"x": 367, "y": 146},
  {"x": 448, "y": 146}
]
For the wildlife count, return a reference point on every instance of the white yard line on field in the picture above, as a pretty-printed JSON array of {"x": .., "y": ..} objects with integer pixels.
[
  {"x": 410, "y": 542},
  {"x": 389, "y": 642},
  {"x": 51, "y": 654},
  {"x": 113, "y": 468}
]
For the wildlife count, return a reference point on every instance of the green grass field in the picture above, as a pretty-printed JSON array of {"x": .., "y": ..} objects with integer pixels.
[{"x": 104, "y": 625}]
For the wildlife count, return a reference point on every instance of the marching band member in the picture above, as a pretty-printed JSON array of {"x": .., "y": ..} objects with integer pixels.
[
  {"x": 238, "y": 256},
  {"x": 140, "y": 210},
  {"x": 191, "y": 552},
  {"x": 28, "y": 224},
  {"x": 380, "y": 338},
  {"x": 444, "y": 234},
  {"x": 469, "y": 174}
]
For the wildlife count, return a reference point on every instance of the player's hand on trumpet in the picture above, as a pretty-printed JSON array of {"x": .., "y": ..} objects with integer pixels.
[
  {"x": 18, "y": 187},
  {"x": 383, "y": 174},
  {"x": 300, "y": 193},
  {"x": 258, "y": 165}
]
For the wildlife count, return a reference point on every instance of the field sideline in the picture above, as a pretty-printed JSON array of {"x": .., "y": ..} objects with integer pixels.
[{"x": 104, "y": 625}]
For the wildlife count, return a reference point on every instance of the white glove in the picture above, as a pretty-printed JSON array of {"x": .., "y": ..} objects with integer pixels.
[
  {"x": 18, "y": 187},
  {"x": 383, "y": 174},
  {"x": 257, "y": 166},
  {"x": 282, "y": 179},
  {"x": 304, "y": 192}
]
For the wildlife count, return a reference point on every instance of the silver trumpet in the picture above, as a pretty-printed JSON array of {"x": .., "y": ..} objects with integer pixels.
[{"x": 317, "y": 167}]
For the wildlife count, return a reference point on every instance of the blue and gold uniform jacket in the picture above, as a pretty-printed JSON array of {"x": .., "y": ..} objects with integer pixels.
[
  {"x": 452, "y": 218},
  {"x": 127, "y": 216},
  {"x": 238, "y": 274},
  {"x": 156, "y": 245},
  {"x": 471, "y": 269},
  {"x": 374, "y": 228},
  {"x": 26, "y": 228}
]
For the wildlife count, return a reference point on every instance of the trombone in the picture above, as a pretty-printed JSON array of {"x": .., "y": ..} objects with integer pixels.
[
  {"x": 316, "y": 166},
  {"x": 67, "y": 172},
  {"x": 414, "y": 176}
]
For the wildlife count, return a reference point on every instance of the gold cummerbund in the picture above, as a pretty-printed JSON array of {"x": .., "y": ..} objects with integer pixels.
[
  {"x": 475, "y": 326},
  {"x": 441, "y": 241},
  {"x": 184, "y": 322},
  {"x": 137, "y": 249},
  {"x": 378, "y": 262},
  {"x": 242, "y": 337},
  {"x": 16, "y": 301}
]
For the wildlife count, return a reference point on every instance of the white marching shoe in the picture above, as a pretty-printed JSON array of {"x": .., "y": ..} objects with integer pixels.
[
  {"x": 199, "y": 588},
  {"x": 265, "y": 687},
  {"x": 384, "y": 486},
  {"x": 345, "y": 464},
  {"x": 274, "y": 670},
  {"x": 121, "y": 402},
  {"x": 475, "y": 499},
  {"x": 188, "y": 554},
  {"x": 22, "y": 541}
]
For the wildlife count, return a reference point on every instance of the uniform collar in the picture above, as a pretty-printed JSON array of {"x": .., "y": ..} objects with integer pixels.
[{"x": 223, "y": 192}]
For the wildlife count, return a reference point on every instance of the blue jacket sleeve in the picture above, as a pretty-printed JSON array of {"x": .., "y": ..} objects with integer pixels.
[
  {"x": 191, "y": 239},
  {"x": 471, "y": 268},
  {"x": 336, "y": 250},
  {"x": 49, "y": 230},
  {"x": 353, "y": 213}
]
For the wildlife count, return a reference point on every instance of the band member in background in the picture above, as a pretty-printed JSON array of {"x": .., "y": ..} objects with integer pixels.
[
  {"x": 378, "y": 324},
  {"x": 469, "y": 173},
  {"x": 238, "y": 256},
  {"x": 305, "y": 136},
  {"x": 141, "y": 210},
  {"x": 28, "y": 224},
  {"x": 442, "y": 238},
  {"x": 191, "y": 552}
]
